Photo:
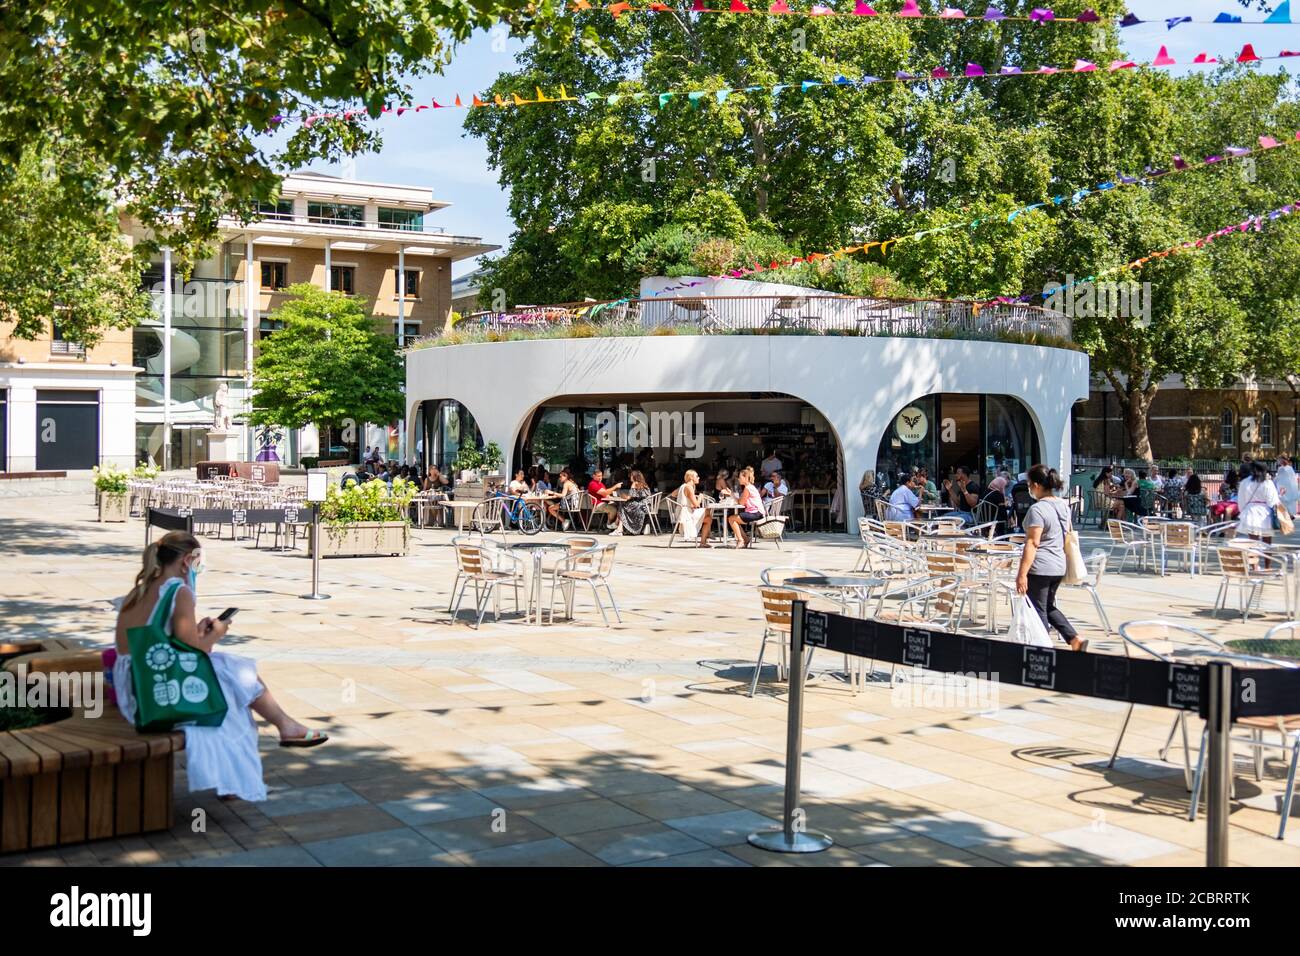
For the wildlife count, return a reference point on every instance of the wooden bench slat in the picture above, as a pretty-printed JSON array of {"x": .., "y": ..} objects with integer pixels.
[
  {"x": 126, "y": 814},
  {"x": 99, "y": 810},
  {"x": 15, "y": 813},
  {"x": 45, "y": 810},
  {"x": 22, "y": 760},
  {"x": 73, "y": 787},
  {"x": 71, "y": 756},
  {"x": 51, "y": 759},
  {"x": 98, "y": 749}
]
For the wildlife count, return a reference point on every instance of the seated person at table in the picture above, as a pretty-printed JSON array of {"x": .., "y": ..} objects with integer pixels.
[
  {"x": 925, "y": 486},
  {"x": 775, "y": 486},
  {"x": 751, "y": 511},
  {"x": 634, "y": 515},
  {"x": 722, "y": 485},
  {"x": 567, "y": 487},
  {"x": 596, "y": 488},
  {"x": 519, "y": 486},
  {"x": 693, "y": 518},
  {"x": 903, "y": 502},
  {"x": 541, "y": 482},
  {"x": 963, "y": 493}
]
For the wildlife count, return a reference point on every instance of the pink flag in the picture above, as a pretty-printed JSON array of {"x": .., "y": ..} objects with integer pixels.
[
  {"x": 437, "y": 105},
  {"x": 819, "y": 10},
  {"x": 1247, "y": 54},
  {"x": 1289, "y": 53},
  {"x": 1121, "y": 65},
  {"x": 1267, "y": 142},
  {"x": 1205, "y": 58},
  {"x": 779, "y": 6},
  {"x": 863, "y": 9},
  {"x": 697, "y": 6},
  {"x": 940, "y": 74},
  {"x": 952, "y": 13},
  {"x": 1048, "y": 70},
  {"x": 1083, "y": 66},
  {"x": 910, "y": 9},
  {"x": 1163, "y": 58}
]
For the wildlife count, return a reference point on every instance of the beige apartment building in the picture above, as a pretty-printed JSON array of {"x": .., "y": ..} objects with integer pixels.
[{"x": 345, "y": 235}]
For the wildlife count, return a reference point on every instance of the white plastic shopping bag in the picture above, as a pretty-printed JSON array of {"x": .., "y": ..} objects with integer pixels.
[{"x": 1026, "y": 626}]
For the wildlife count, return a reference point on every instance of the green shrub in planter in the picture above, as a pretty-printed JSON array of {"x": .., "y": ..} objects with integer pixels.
[
  {"x": 109, "y": 481},
  {"x": 309, "y": 461}
]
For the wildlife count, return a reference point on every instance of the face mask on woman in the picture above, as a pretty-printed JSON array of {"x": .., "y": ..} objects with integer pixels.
[{"x": 194, "y": 570}]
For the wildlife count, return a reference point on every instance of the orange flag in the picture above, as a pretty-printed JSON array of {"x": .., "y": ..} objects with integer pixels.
[
  {"x": 458, "y": 102},
  {"x": 618, "y": 9},
  {"x": 477, "y": 101},
  {"x": 499, "y": 100}
]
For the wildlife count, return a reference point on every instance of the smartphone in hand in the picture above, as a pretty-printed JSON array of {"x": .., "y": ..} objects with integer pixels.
[{"x": 228, "y": 614}]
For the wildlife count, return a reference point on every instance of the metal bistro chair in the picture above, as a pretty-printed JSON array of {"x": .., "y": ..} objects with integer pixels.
[
  {"x": 652, "y": 504},
  {"x": 1241, "y": 569},
  {"x": 1092, "y": 584},
  {"x": 771, "y": 527},
  {"x": 700, "y": 312},
  {"x": 489, "y": 518},
  {"x": 591, "y": 566},
  {"x": 1286, "y": 727},
  {"x": 477, "y": 564},
  {"x": 778, "y": 618},
  {"x": 1128, "y": 539},
  {"x": 1163, "y": 640},
  {"x": 1180, "y": 538},
  {"x": 576, "y": 509}
]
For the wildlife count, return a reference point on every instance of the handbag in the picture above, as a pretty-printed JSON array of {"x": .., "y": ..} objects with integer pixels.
[
  {"x": 1076, "y": 569},
  {"x": 174, "y": 684},
  {"x": 1026, "y": 626},
  {"x": 1282, "y": 518}
]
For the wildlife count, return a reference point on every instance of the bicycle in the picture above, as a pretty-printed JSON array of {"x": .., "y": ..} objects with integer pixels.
[{"x": 527, "y": 518}]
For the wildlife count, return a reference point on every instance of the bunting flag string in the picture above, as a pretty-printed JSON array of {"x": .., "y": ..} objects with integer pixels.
[
  {"x": 1070, "y": 197},
  {"x": 910, "y": 10},
  {"x": 1250, "y": 224},
  {"x": 972, "y": 71}
]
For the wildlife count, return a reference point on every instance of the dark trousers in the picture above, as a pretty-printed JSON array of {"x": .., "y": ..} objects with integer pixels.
[{"x": 1042, "y": 595}]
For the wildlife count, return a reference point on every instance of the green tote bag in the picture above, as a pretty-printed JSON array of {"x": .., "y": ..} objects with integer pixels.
[{"x": 174, "y": 684}]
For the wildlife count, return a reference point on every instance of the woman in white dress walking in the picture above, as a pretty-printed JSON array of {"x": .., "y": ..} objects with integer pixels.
[
  {"x": 1256, "y": 498},
  {"x": 1288, "y": 488},
  {"x": 223, "y": 758}
]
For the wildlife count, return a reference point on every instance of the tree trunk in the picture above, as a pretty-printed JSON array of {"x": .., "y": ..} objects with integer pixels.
[
  {"x": 758, "y": 131},
  {"x": 1136, "y": 408}
]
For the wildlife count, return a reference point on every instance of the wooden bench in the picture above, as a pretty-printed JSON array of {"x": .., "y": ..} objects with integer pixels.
[{"x": 82, "y": 778}]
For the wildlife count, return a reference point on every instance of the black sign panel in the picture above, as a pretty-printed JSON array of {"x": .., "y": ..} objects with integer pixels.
[
  {"x": 814, "y": 633},
  {"x": 1186, "y": 683},
  {"x": 1039, "y": 667},
  {"x": 1110, "y": 677},
  {"x": 916, "y": 647}
]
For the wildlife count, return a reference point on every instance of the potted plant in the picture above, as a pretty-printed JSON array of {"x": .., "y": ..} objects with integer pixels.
[
  {"x": 468, "y": 461},
  {"x": 492, "y": 459},
  {"x": 366, "y": 519},
  {"x": 111, "y": 490}
]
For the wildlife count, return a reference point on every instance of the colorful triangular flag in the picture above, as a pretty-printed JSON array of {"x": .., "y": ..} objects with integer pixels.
[
  {"x": 910, "y": 9},
  {"x": 1282, "y": 14},
  {"x": 1163, "y": 58},
  {"x": 863, "y": 9},
  {"x": 1247, "y": 54},
  {"x": 993, "y": 15}
]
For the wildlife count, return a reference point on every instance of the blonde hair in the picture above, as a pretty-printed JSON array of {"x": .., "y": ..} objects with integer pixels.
[
  {"x": 868, "y": 481},
  {"x": 691, "y": 475},
  {"x": 170, "y": 548},
  {"x": 743, "y": 472}
]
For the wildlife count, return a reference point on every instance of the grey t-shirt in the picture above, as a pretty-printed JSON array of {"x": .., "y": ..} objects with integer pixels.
[{"x": 1053, "y": 516}]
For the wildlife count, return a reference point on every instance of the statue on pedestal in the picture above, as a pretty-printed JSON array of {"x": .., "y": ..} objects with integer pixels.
[{"x": 221, "y": 408}]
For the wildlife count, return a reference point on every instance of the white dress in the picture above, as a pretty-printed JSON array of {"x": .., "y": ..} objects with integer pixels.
[
  {"x": 1287, "y": 487},
  {"x": 1256, "y": 501},
  {"x": 223, "y": 758},
  {"x": 689, "y": 519}
]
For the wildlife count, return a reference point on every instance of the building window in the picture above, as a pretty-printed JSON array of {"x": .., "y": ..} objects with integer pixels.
[
  {"x": 412, "y": 330},
  {"x": 63, "y": 346},
  {"x": 1227, "y": 429},
  {"x": 1266, "y": 428},
  {"x": 282, "y": 209},
  {"x": 412, "y": 283},
  {"x": 268, "y": 327},
  {"x": 342, "y": 279},
  {"x": 336, "y": 213},
  {"x": 275, "y": 275},
  {"x": 407, "y": 219}
]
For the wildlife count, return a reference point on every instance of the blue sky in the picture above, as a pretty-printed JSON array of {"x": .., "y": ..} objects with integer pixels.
[{"x": 431, "y": 148}]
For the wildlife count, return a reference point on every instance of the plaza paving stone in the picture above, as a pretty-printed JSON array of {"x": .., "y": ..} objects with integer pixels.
[{"x": 634, "y": 744}]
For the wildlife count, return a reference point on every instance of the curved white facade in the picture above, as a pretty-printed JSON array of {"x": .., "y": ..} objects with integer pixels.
[{"x": 859, "y": 383}]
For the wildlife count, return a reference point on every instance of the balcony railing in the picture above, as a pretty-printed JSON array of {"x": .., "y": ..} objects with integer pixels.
[
  {"x": 64, "y": 347},
  {"x": 806, "y": 315},
  {"x": 271, "y": 218}
]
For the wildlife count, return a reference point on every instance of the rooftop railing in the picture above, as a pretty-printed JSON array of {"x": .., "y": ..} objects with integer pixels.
[{"x": 806, "y": 315}]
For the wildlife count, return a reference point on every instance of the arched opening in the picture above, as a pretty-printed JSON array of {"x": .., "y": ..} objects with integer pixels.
[
  {"x": 443, "y": 426},
  {"x": 985, "y": 433},
  {"x": 662, "y": 435}
]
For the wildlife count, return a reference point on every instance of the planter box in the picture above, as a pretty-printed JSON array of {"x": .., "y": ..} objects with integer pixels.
[
  {"x": 365, "y": 538},
  {"x": 114, "y": 507}
]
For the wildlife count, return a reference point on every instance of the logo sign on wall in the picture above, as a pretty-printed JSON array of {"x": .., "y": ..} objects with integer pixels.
[{"x": 912, "y": 424}]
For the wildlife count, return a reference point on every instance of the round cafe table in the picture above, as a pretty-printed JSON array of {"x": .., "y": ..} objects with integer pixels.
[
  {"x": 538, "y": 550},
  {"x": 847, "y": 588},
  {"x": 722, "y": 507}
]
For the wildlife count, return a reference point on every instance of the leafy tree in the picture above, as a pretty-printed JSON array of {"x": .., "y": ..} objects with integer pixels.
[
  {"x": 329, "y": 365},
  {"x": 163, "y": 106},
  {"x": 78, "y": 273}
]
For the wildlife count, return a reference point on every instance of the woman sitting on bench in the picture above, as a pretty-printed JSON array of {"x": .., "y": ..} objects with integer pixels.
[{"x": 223, "y": 758}]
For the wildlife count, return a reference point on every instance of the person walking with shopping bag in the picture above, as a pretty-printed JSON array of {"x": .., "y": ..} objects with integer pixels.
[{"x": 1043, "y": 563}]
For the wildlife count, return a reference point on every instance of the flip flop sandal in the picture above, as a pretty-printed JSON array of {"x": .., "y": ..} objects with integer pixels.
[{"x": 313, "y": 738}]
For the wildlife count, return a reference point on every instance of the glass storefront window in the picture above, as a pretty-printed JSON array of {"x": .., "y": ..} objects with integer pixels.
[
  {"x": 444, "y": 427},
  {"x": 985, "y": 433}
]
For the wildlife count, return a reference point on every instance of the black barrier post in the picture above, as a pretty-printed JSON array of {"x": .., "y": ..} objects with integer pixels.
[
  {"x": 792, "y": 837},
  {"x": 1219, "y": 755},
  {"x": 315, "y": 558}
]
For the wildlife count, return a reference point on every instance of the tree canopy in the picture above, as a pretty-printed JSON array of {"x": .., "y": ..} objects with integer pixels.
[
  {"x": 328, "y": 365},
  {"x": 603, "y": 195}
]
